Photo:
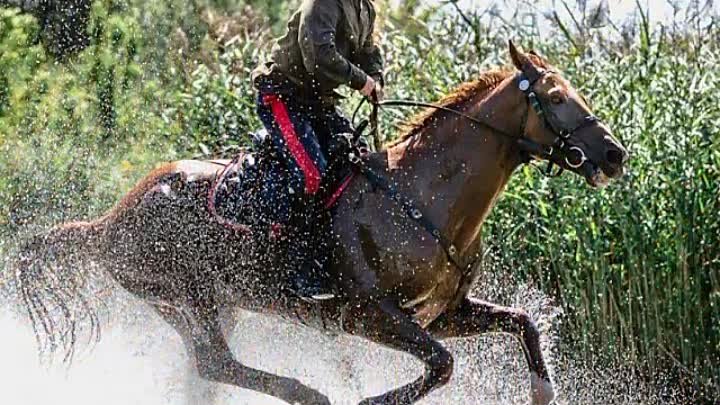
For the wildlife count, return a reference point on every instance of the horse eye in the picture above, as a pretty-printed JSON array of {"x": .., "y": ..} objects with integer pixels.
[{"x": 556, "y": 99}]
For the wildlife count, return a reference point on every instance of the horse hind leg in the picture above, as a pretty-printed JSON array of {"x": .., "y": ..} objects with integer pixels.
[
  {"x": 474, "y": 317},
  {"x": 201, "y": 332},
  {"x": 180, "y": 321}
]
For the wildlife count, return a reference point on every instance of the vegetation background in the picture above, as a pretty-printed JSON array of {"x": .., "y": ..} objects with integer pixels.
[{"x": 636, "y": 266}]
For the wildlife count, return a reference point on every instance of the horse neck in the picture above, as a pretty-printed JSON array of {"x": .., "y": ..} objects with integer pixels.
[{"x": 455, "y": 170}]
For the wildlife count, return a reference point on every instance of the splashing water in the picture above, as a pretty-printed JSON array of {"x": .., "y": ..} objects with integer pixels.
[{"x": 141, "y": 360}]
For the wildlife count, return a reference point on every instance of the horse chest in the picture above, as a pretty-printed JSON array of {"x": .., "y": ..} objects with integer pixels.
[{"x": 395, "y": 256}]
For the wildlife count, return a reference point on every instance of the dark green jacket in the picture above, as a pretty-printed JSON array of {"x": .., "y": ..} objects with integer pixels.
[{"x": 328, "y": 43}]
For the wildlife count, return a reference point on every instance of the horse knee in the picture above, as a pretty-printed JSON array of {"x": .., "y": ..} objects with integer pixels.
[{"x": 441, "y": 365}]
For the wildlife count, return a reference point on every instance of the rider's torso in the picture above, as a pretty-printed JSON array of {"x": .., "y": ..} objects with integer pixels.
[{"x": 287, "y": 64}]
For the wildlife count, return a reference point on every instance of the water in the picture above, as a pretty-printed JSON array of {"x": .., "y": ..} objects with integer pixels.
[{"x": 140, "y": 360}]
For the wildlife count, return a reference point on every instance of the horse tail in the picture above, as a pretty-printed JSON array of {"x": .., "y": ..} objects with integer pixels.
[{"x": 52, "y": 272}]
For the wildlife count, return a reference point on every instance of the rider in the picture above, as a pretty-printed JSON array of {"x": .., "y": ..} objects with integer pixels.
[{"x": 328, "y": 43}]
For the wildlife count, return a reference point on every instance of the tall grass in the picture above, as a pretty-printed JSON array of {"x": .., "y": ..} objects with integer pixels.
[{"x": 636, "y": 266}]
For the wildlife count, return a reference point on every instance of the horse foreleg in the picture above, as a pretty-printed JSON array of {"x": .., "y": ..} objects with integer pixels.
[
  {"x": 473, "y": 317},
  {"x": 215, "y": 362},
  {"x": 384, "y": 323}
]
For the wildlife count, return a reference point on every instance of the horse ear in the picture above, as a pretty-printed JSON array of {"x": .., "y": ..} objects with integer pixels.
[{"x": 519, "y": 59}]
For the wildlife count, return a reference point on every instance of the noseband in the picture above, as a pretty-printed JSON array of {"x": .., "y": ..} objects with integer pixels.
[{"x": 560, "y": 149}]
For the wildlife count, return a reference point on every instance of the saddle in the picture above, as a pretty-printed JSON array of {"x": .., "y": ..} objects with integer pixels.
[{"x": 236, "y": 199}]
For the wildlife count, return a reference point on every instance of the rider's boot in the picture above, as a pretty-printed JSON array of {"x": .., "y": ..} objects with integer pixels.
[
  {"x": 308, "y": 259},
  {"x": 309, "y": 281}
]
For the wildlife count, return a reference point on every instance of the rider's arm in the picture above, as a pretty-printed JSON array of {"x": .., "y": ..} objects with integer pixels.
[
  {"x": 370, "y": 59},
  {"x": 317, "y": 42}
]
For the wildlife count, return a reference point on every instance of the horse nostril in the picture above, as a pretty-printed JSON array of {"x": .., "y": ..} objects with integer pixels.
[{"x": 615, "y": 157}]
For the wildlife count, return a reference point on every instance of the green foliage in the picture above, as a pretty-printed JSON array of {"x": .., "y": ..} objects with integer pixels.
[{"x": 636, "y": 266}]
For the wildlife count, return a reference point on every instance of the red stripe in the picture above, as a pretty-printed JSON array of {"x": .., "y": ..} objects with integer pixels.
[
  {"x": 336, "y": 195},
  {"x": 310, "y": 171}
]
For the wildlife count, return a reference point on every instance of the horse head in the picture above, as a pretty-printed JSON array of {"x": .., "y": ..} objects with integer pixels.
[{"x": 560, "y": 119}]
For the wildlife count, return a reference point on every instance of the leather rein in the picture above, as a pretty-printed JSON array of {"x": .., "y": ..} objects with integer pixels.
[{"x": 559, "y": 150}]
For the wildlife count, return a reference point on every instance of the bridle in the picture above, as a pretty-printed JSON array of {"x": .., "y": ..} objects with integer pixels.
[{"x": 560, "y": 150}]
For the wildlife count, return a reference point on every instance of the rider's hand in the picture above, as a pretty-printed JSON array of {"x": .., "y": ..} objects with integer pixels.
[
  {"x": 369, "y": 87},
  {"x": 379, "y": 92}
]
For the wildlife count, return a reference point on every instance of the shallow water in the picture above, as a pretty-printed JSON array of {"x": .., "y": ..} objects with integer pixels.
[{"x": 140, "y": 360}]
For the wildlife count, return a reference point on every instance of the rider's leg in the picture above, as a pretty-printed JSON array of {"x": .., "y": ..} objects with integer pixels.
[{"x": 296, "y": 142}]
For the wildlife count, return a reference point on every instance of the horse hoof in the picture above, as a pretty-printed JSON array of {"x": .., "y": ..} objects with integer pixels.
[{"x": 541, "y": 391}]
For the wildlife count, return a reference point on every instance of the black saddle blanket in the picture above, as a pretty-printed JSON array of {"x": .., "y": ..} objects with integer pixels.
[{"x": 238, "y": 195}]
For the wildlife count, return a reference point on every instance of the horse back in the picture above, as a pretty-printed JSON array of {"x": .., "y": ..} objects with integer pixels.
[
  {"x": 161, "y": 238},
  {"x": 173, "y": 175}
]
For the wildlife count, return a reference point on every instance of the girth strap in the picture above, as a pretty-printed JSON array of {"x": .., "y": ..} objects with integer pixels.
[{"x": 416, "y": 215}]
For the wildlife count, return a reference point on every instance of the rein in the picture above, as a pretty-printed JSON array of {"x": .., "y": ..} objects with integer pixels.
[
  {"x": 559, "y": 149},
  {"x": 527, "y": 144},
  {"x": 412, "y": 103}
]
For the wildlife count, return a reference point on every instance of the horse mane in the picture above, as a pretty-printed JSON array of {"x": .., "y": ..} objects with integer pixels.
[{"x": 482, "y": 85}]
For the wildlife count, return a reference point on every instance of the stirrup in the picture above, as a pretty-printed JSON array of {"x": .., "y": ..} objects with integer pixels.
[
  {"x": 323, "y": 296},
  {"x": 314, "y": 298},
  {"x": 304, "y": 290}
]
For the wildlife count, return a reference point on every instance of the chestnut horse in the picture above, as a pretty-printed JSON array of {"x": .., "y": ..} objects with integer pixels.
[{"x": 400, "y": 287}]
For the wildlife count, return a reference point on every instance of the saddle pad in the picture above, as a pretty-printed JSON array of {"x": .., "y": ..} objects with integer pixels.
[{"x": 225, "y": 194}]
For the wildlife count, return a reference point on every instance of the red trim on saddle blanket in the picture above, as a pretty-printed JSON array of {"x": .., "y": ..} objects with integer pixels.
[
  {"x": 335, "y": 196},
  {"x": 241, "y": 228},
  {"x": 303, "y": 159}
]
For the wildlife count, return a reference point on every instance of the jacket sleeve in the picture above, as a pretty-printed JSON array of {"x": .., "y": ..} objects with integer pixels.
[
  {"x": 370, "y": 59},
  {"x": 317, "y": 43}
]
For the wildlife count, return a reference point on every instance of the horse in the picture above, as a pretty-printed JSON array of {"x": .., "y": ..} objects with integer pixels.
[{"x": 401, "y": 286}]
